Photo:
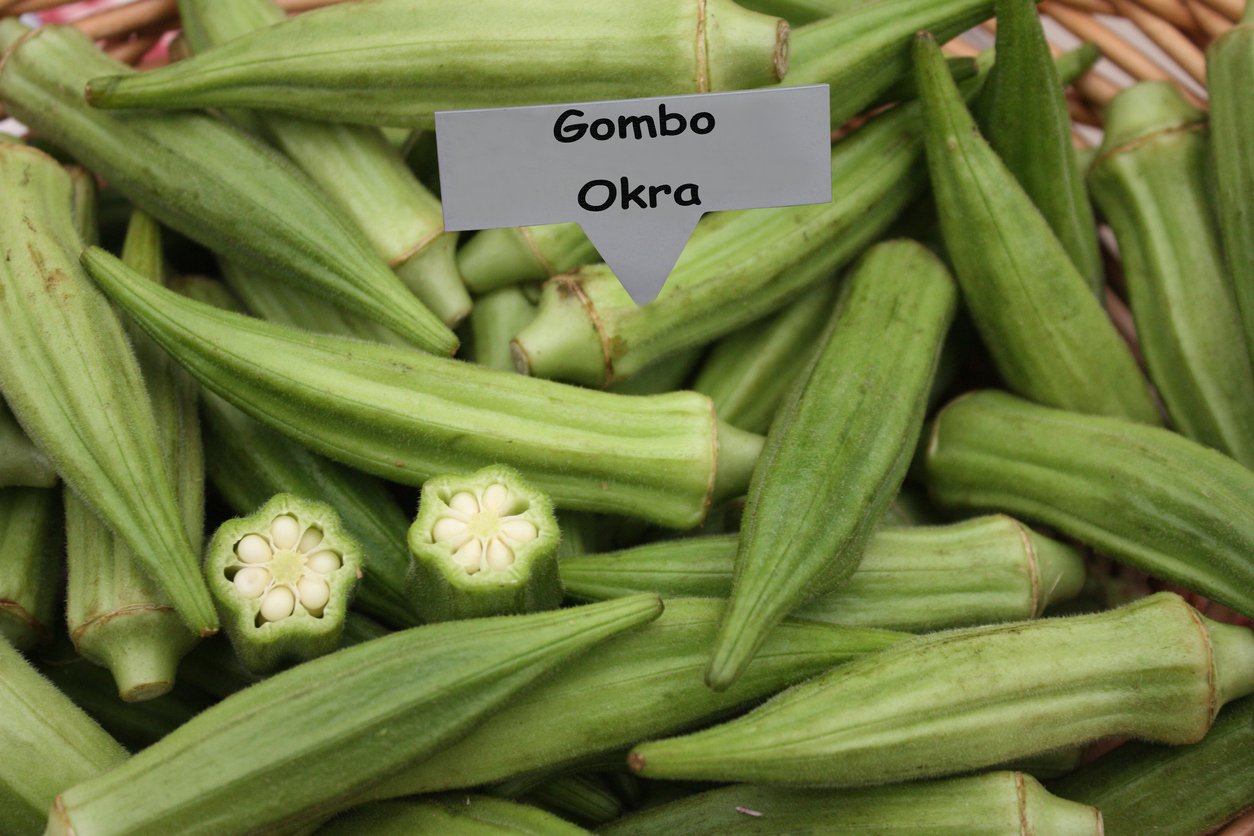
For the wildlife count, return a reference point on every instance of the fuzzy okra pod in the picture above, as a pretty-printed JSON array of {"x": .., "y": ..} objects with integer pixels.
[
  {"x": 315, "y": 739},
  {"x": 496, "y": 317},
  {"x": 966, "y": 699},
  {"x": 580, "y": 798},
  {"x": 451, "y": 815},
  {"x": 68, "y": 372},
  {"x": 30, "y": 568},
  {"x": 1145, "y": 496},
  {"x": 1045, "y": 329},
  {"x": 635, "y": 687},
  {"x": 994, "y": 804},
  {"x": 115, "y": 613},
  {"x": 21, "y": 463},
  {"x": 483, "y": 544},
  {"x": 1229, "y": 73},
  {"x": 738, "y": 267},
  {"x": 1151, "y": 180},
  {"x": 916, "y": 579},
  {"x": 1172, "y": 790},
  {"x": 497, "y": 258},
  {"x": 49, "y": 744},
  {"x": 281, "y": 578},
  {"x": 208, "y": 180},
  {"x": 839, "y": 449},
  {"x": 396, "y": 62},
  {"x": 409, "y": 416},
  {"x": 356, "y": 166}
]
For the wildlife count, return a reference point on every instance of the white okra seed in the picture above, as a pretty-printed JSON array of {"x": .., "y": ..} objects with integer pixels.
[
  {"x": 325, "y": 562},
  {"x": 465, "y": 502},
  {"x": 253, "y": 549},
  {"x": 495, "y": 496},
  {"x": 520, "y": 531},
  {"x": 311, "y": 538},
  {"x": 469, "y": 556},
  {"x": 314, "y": 594},
  {"x": 500, "y": 556},
  {"x": 251, "y": 581},
  {"x": 449, "y": 530},
  {"x": 284, "y": 531},
  {"x": 278, "y": 604}
]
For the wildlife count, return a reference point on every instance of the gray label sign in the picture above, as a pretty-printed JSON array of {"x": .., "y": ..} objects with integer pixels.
[{"x": 636, "y": 174}]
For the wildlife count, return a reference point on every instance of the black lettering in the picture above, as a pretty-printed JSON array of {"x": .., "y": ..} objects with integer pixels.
[
  {"x": 609, "y": 197},
  {"x": 563, "y": 133},
  {"x": 706, "y": 118},
  {"x": 630, "y": 196},
  {"x": 665, "y": 119},
  {"x": 602, "y": 129},
  {"x": 693, "y": 200},
  {"x": 654, "y": 191},
  {"x": 635, "y": 123}
]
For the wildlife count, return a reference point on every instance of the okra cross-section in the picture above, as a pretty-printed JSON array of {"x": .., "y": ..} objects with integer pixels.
[
  {"x": 484, "y": 545},
  {"x": 281, "y": 579}
]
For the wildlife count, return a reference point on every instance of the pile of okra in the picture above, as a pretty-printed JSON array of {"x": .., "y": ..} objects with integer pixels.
[{"x": 317, "y": 519}]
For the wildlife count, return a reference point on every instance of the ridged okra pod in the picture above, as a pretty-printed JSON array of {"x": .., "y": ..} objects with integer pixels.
[
  {"x": 748, "y": 372},
  {"x": 580, "y": 798},
  {"x": 1145, "y": 496},
  {"x": 396, "y": 62},
  {"x": 635, "y": 687},
  {"x": 21, "y": 463},
  {"x": 206, "y": 179},
  {"x": 496, "y": 258},
  {"x": 30, "y": 565},
  {"x": 801, "y": 12},
  {"x": 451, "y": 815},
  {"x": 496, "y": 317},
  {"x": 994, "y": 804},
  {"x": 966, "y": 699},
  {"x": 1152, "y": 182},
  {"x": 357, "y": 167},
  {"x": 1172, "y": 790},
  {"x": 315, "y": 739},
  {"x": 1229, "y": 72},
  {"x": 916, "y": 579},
  {"x": 738, "y": 267},
  {"x": 1023, "y": 113},
  {"x": 409, "y": 416},
  {"x": 839, "y": 448},
  {"x": 484, "y": 544},
  {"x": 68, "y": 372},
  {"x": 1047, "y": 333},
  {"x": 49, "y": 745},
  {"x": 281, "y": 578},
  {"x": 116, "y": 614}
]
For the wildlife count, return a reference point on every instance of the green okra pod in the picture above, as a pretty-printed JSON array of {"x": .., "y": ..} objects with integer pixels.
[
  {"x": 800, "y": 12},
  {"x": 665, "y": 375},
  {"x": 966, "y": 699},
  {"x": 396, "y": 62},
  {"x": 1145, "y": 496},
  {"x": 1229, "y": 72},
  {"x": 738, "y": 267},
  {"x": 748, "y": 372},
  {"x": 21, "y": 463},
  {"x": 635, "y": 687},
  {"x": 451, "y": 815},
  {"x": 281, "y": 578},
  {"x": 117, "y": 616},
  {"x": 838, "y": 451},
  {"x": 1151, "y": 180},
  {"x": 1046, "y": 331},
  {"x": 208, "y": 180},
  {"x": 484, "y": 544},
  {"x": 315, "y": 739},
  {"x": 916, "y": 579},
  {"x": 1172, "y": 790},
  {"x": 409, "y": 416},
  {"x": 68, "y": 372},
  {"x": 496, "y": 258},
  {"x": 49, "y": 745},
  {"x": 993, "y": 804},
  {"x": 30, "y": 568},
  {"x": 1023, "y": 113},
  {"x": 356, "y": 166},
  {"x": 496, "y": 317},
  {"x": 581, "y": 798}
]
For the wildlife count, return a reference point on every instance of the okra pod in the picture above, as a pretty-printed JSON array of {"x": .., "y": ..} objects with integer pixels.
[
  {"x": 738, "y": 267},
  {"x": 1048, "y": 334},
  {"x": 451, "y": 815},
  {"x": 116, "y": 615},
  {"x": 281, "y": 578},
  {"x": 396, "y": 62},
  {"x": 838, "y": 451},
  {"x": 748, "y": 372},
  {"x": 994, "y": 804},
  {"x": 49, "y": 745},
  {"x": 1145, "y": 496},
  {"x": 315, "y": 739},
  {"x": 206, "y": 179},
  {"x": 665, "y": 375},
  {"x": 580, "y": 798},
  {"x": 409, "y": 416},
  {"x": 916, "y": 579},
  {"x": 1152, "y": 183},
  {"x": 496, "y": 258},
  {"x": 632, "y": 688},
  {"x": 1023, "y": 113},
  {"x": 69, "y": 374},
  {"x": 21, "y": 463},
  {"x": 966, "y": 699},
  {"x": 496, "y": 317},
  {"x": 1172, "y": 790},
  {"x": 801, "y": 12},
  {"x": 30, "y": 568},
  {"x": 484, "y": 544},
  {"x": 1229, "y": 71}
]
